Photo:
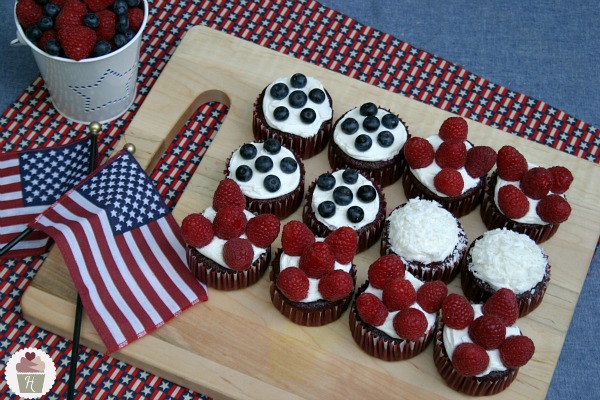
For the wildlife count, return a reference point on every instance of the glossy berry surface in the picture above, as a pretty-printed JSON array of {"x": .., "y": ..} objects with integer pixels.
[
  {"x": 288, "y": 165},
  {"x": 326, "y": 181},
  {"x": 248, "y": 151},
  {"x": 368, "y": 109},
  {"x": 390, "y": 121},
  {"x": 91, "y": 20},
  {"x": 281, "y": 113},
  {"x": 355, "y": 214},
  {"x": 350, "y": 176},
  {"x": 385, "y": 138},
  {"x": 279, "y": 91},
  {"x": 327, "y": 209},
  {"x": 298, "y": 80},
  {"x": 371, "y": 123},
  {"x": 263, "y": 164},
  {"x": 350, "y": 126},
  {"x": 317, "y": 96},
  {"x": 297, "y": 99},
  {"x": 243, "y": 173},
  {"x": 308, "y": 115},
  {"x": 102, "y": 48},
  {"x": 272, "y": 183},
  {"x": 342, "y": 195},
  {"x": 366, "y": 193},
  {"x": 272, "y": 146},
  {"x": 363, "y": 142}
]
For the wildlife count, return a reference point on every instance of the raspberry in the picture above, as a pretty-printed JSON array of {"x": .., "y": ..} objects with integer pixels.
[
  {"x": 229, "y": 222},
  {"x": 228, "y": 193},
  {"x": 516, "y": 351},
  {"x": 470, "y": 359},
  {"x": 553, "y": 209},
  {"x": 480, "y": 160},
  {"x": 561, "y": 179},
  {"x": 488, "y": 331},
  {"x": 454, "y": 128},
  {"x": 512, "y": 202},
  {"x": 263, "y": 229},
  {"x": 451, "y": 153},
  {"x": 398, "y": 293},
  {"x": 197, "y": 230},
  {"x": 295, "y": 236},
  {"x": 418, "y": 152},
  {"x": 449, "y": 182},
  {"x": 536, "y": 183},
  {"x": 511, "y": 164},
  {"x": 107, "y": 28},
  {"x": 371, "y": 310},
  {"x": 457, "y": 312},
  {"x": 293, "y": 283},
  {"x": 136, "y": 18},
  {"x": 70, "y": 15},
  {"x": 431, "y": 295},
  {"x": 502, "y": 304},
  {"x": 384, "y": 269},
  {"x": 238, "y": 253},
  {"x": 28, "y": 13},
  {"x": 410, "y": 323},
  {"x": 98, "y": 5},
  {"x": 77, "y": 41},
  {"x": 336, "y": 285},
  {"x": 343, "y": 241},
  {"x": 46, "y": 35},
  {"x": 317, "y": 259}
]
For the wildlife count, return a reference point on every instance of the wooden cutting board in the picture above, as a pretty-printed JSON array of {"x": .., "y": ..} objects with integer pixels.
[{"x": 237, "y": 345}]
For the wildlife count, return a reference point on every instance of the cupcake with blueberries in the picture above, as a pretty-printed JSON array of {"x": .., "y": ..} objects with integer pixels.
[
  {"x": 297, "y": 111},
  {"x": 345, "y": 197},
  {"x": 270, "y": 176},
  {"x": 370, "y": 139}
]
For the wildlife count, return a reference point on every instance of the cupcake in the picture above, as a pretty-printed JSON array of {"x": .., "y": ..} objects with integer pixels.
[
  {"x": 369, "y": 139},
  {"x": 270, "y": 176},
  {"x": 345, "y": 198},
  {"x": 502, "y": 258},
  {"x": 313, "y": 279},
  {"x": 447, "y": 168},
  {"x": 428, "y": 238},
  {"x": 297, "y": 110},
  {"x": 478, "y": 349},
  {"x": 30, "y": 374},
  {"x": 394, "y": 314},
  {"x": 526, "y": 198},
  {"x": 228, "y": 247}
]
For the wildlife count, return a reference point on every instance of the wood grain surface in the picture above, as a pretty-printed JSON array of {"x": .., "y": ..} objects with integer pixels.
[{"x": 237, "y": 345}]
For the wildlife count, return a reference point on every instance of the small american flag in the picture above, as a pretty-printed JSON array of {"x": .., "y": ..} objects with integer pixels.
[
  {"x": 30, "y": 181},
  {"x": 124, "y": 251}
]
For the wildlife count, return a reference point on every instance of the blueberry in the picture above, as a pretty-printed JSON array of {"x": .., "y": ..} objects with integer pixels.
[
  {"x": 350, "y": 176},
  {"x": 133, "y": 3},
  {"x": 390, "y": 121},
  {"x": 120, "y": 40},
  {"x": 371, "y": 123},
  {"x": 385, "y": 138},
  {"x": 272, "y": 146},
  {"x": 33, "y": 33},
  {"x": 52, "y": 47},
  {"x": 281, "y": 113},
  {"x": 120, "y": 7},
  {"x": 366, "y": 193},
  {"x": 317, "y": 96},
  {"x": 102, "y": 48},
  {"x": 91, "y": 20},
  {"x": 243, "y": 173},
  {"x": 129, "y": 34},
  {"x": 326, "y": 181},
  {"x": 368, "y": 109},
  {"x": 355, "y": 214},
  {"x": 51, "y": 10},
  {"x": 297, "y": 99},
  {"x": 45, "y": 23},
  {"x": 248, "y": 151},
  {"x": 122, "y": 24},
  {"x": 342, "y": 195},
  {"x": 279, "y": 91},
  {"x": 272, "y": 183},
  {"x": 308, "y": 115},
  {"x": 263, "y": 164},
  {"x": 326, "y": 209},
  {"x": 350, "y": 126},
  {"x": 298, "y": 81},
  {"x": 288, "y": 165},
  {"x": 363, "y": 142}
]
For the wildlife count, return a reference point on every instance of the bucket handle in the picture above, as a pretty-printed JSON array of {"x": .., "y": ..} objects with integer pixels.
[{"x": 18, "y": 41}]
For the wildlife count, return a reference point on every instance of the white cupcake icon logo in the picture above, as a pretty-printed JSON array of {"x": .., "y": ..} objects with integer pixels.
[{"x": 30, "y": 373}]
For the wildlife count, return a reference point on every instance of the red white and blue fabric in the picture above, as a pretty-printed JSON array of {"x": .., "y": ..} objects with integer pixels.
[{"x": 30, "y": 181}]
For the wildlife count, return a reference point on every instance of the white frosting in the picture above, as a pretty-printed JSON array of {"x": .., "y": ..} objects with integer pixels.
[
  {"x": 454, "y": 337},
  {"x": 214, "y": 250},
  {"x": 339, "y": 218},
  {"x": 423, "y": 231},
  {"x": 376, "y": 153},
  {"x": 427, "y": 174},
  {"x": 293, "y": 124},
  {"x": 507, "y": 259},
  {"x": 388, "y": 325},
  {"x": 255, "y": 188}
]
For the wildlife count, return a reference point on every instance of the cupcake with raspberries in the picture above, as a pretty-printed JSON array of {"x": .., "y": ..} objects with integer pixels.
[
  {"x": 312, "y": 278},
  {"x": 447, "y": 168},
  {"x": 270, "y": 176},
  {"x": 394, "y": 314},
  {"x": 428, "y": 238},
  {"x": 526, "y": 198},
  {"x": 370, "y": 139},
  {"x": 228, "y": 247},
  {"x": 296, "y": 110},
  {"x": 345, "y": 198},
  {"x": 478, "y": 348}
]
